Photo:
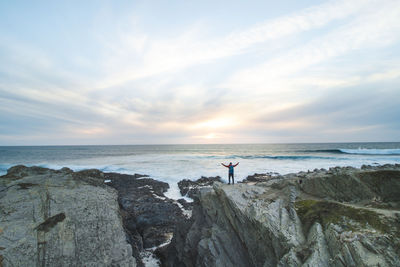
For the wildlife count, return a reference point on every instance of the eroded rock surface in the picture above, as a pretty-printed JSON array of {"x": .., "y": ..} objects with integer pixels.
[
  {"x": 262, "y": 177},
  {"x": 149, "y": 217},
  {"x": 335, "y": 217},
  {"x": 60, "y": 218},
  {"x": 191, "y": 188}
]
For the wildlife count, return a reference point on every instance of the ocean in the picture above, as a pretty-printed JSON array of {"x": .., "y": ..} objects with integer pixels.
[{"x": 172, "y": 163}]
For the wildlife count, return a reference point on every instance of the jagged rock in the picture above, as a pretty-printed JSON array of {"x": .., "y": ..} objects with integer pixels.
[
  {"x": 21, "y": 171},
  {"x": 336, "y": 217},
  {"x": 191, "y": 188},
  {"x": 149, "y": 217},
  {"x": 231, "y": 226},
  {"x": 322, "y": 221},
  {"x": 186, "y": 205},
  {"x": 319, "y": 251},
  {"x": 261, "y": 177},
  {"x": 54, "y": 218},
  {"x": 355, "y": 185}
]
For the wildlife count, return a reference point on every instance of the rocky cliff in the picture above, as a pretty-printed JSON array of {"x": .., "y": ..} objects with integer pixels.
[
  {"x": 335, "y": 217},
  {"x": 60, "y": 218}
]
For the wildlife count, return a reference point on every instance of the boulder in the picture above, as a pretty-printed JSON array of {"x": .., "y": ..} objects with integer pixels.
[
  {"x": 53, "y": 218},
  {"x": 191, "y": 188}
]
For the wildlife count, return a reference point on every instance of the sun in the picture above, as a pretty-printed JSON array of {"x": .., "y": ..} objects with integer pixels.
[
  {"x": 210, "y": 136},
  {"x": 216, "y": 123}
]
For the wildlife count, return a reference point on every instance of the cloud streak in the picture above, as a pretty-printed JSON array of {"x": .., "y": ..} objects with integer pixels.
[
  {"x": 187, "y": 49},
  {"x": 274, "y": 81}
]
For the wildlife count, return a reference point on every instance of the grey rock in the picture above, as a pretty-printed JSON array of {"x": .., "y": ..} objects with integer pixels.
[
  {"x": 230, "y": 229},
  {"x": 289, "y": 259},
  {"x": 262, "y": 177},
  {"x": 149, "y": 217},
  {"x": 316, "y": 242},
  {"x": 59, "y": 218},
  {"x": 191, "y": 188},
  {"x": 332, "y": 218}
]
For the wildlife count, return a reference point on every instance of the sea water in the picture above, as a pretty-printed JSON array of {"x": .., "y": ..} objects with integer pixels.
[{"x": 172, "y": 163}]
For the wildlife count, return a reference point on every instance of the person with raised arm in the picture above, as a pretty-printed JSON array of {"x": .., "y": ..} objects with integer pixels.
[{"x": 230, "y": 167}]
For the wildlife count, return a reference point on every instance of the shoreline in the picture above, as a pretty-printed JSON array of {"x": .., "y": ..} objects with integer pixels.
[
  {"x": 173, "y": 163},
  {"x": 153, "y": 222}
]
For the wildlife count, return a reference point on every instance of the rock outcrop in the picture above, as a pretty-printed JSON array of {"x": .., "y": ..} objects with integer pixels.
[
  {"x": 335, "y": 217},
  {"x": 149, "y": 217},
  {"x": 191, "y": 188},
  {"x": 60, "y": 218},
  {"x": 262, "y": 177}
]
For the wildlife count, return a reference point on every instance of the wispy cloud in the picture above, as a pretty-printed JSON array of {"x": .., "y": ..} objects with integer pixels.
[
  {"x": 276, "y": 79},
  {"x": 153, "y": 56},
  {"x": 376, "y": 28}
]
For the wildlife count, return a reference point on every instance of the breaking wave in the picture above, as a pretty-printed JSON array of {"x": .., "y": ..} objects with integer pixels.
[
  {"x": 284, "y": 157},
  {"x": 369, "y": 151},
  {"x": 358, "y": 151}
]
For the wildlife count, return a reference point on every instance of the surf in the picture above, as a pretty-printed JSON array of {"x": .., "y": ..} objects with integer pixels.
[{"x": 370, "y": 151}]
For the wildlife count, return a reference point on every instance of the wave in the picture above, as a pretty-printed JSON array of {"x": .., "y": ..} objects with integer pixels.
[
  {"x": 284, "y": 157},
  {"x": 4, "y": 168},
  {"x": 369, "y": 151},
  {"x": 358, "y": 151},
  {"x": 296, "y": 157},
  {"x": 334, "y": 151}
]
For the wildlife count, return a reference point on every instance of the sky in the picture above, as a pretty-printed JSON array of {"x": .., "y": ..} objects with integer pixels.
[{"x": 172, "y": 72}]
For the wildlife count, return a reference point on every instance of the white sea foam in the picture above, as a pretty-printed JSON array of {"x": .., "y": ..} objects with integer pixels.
[
  {"x": 186, "y": 213},
  {"x": 174, "y": 193},
  {"x": 149, "y": 259},
  {"x": 172, "y": 164},
  {"x": 368, "y": 151}
]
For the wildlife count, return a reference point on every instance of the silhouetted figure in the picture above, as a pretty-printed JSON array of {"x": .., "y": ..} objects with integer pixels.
[{"x": 230, "y": 166}]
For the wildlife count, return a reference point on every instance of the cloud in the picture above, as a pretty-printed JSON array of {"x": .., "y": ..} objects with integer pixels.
[
  {"x": 378, "y": 27},
  {"x": 277, "y": 79},
  {"x": 138, "y": 55},
  {"x": 366, "y": 112}
]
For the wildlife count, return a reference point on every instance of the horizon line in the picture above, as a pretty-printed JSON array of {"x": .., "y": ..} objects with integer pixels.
[{"x": 174, "y": 144}]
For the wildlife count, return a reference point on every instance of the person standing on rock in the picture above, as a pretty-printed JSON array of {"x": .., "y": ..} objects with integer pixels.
[{"x": 230, "y": 166}]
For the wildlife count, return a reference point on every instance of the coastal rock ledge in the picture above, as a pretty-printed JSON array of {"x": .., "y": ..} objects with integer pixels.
[
  {"x": 336, "y": 217},
  {"x": 60, "y": 218}
]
